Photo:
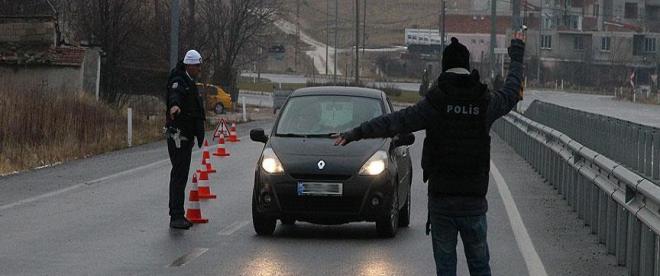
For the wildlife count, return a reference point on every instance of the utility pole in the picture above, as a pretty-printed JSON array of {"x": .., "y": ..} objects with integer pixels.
[
  {"x": 364, "y": 29},
  {"x": 493, "y": 37},
  {"x": 335, "y": 46},
  {"x": 538, "y": 47},
  {"x": 327, "y": 33},
  {"x": 443, "y": 12},
  {"x": 297, "y": 33},
  {"x": 174, "y": 33},
  {"x": 516, "y": 23},
  {"x": 357, "y": 42},
  {"x": 191, "y": 17}
]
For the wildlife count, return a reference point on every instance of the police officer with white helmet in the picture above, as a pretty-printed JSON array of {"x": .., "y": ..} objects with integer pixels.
[{"x": 184, "y": 123}]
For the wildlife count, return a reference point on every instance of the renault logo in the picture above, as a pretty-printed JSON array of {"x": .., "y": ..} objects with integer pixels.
[{"x": 321, "y": 164}]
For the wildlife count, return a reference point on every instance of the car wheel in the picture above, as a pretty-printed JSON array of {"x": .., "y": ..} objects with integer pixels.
[
  {"x": 263, "y": 225},
  {"x": 404, "y": 216},
  {"x": 219, "y": 108},
  {"x": 388, "y": 225},
  {"x": 288, "y": 221}
]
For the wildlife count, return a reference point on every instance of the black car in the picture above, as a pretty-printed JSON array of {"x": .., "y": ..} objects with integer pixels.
[{"x": 301, "y": 175}]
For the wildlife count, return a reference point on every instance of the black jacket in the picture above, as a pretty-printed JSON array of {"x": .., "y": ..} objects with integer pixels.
[
  {"x": 182, "y": 92},
  {"x": 420, "y": 116}
]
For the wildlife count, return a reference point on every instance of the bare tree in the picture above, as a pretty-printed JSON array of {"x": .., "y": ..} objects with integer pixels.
[{"x": 234, "y": 30}]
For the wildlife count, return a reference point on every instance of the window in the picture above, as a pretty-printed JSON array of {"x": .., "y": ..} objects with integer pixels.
[
  {"x": 547, "y": 22},
  {"x": 573, "y": 22},
  {"x": 578, "y": 43},
  {"x": 631, "y": 11},
  {"x": 649, "y": 45},
  {"x": 546, "y": 42},
  {"x": 596, "y": 11},
  {"x": 605, "y": 43}
]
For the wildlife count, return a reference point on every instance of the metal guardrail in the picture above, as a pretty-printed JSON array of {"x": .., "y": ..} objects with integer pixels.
[
  {"x": 619, "y": 206},
  {"x": 634, "y": 145}
]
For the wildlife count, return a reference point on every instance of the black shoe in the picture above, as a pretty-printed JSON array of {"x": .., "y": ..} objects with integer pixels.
[{"x": 180, "y": 223}]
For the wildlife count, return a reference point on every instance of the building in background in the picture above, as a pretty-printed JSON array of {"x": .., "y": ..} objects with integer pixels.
[{"x": 33, "y": 57}]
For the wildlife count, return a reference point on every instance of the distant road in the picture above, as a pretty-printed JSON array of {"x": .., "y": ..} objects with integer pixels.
[
  {"x": 286, "y": 78},
  {"x": 605, "y": 105}
]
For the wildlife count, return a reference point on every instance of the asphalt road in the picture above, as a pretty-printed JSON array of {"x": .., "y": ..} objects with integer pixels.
[
  {"x": 107, "y": 215},
  {"x": 606, "y": 105}
]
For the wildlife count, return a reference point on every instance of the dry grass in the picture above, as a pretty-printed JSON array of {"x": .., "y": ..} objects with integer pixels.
[{"x": 39, "y": 128}]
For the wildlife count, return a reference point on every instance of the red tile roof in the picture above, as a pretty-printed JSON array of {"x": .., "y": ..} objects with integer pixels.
[{"x": 59, "y": 56}]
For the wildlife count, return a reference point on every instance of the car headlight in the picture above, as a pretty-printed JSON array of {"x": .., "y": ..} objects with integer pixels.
[
  {"x": 375, "y": 165},
  {"x": 270, "y": 163}
]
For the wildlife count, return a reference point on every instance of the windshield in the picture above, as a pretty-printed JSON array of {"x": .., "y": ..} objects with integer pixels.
[{"x": 323, "y": 115}]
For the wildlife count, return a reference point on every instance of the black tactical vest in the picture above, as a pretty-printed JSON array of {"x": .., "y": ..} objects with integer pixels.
[{"x": 456, "y": 155}]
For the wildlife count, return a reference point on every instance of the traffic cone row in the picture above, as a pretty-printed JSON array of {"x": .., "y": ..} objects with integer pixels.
[{"x": 201, "y": 189}]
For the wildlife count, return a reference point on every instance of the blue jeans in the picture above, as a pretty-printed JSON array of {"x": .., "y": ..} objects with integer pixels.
[{"x": 444, "y": 231}]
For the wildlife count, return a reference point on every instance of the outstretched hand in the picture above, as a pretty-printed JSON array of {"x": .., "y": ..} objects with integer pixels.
[{"x": 339, "y": 139}]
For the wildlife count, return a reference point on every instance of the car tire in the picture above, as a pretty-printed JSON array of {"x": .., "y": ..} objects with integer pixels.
[
  {"x": 388, "y": 226},
  {"x": 219, "y": 108},
  {"x": 288, "y": 221},
  {"x": 263, "y": 225},
  {"x": 404, "y": 214}
]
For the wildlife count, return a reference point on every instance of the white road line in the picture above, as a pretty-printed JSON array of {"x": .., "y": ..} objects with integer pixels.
[
  {"x": 183, "y": 260},
  {"x": 532, "y": 260},
  {"x": 232, "y": 228},
  {"x": 98, "y": 180},
  {"x": 39, "y": 197}
]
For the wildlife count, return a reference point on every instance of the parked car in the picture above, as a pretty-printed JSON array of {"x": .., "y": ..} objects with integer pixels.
[
  {"x": 301, "y": 175},
  {"x": 215, "y": 98}
]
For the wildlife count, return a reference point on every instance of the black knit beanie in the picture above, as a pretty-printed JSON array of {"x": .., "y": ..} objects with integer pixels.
[{"x": 456, "y": 55}]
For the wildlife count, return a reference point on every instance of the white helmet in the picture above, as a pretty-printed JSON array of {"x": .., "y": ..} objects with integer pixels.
[{"x": 192, "y": 57}]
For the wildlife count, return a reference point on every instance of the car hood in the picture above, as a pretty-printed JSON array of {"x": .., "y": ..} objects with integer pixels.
[{"x": 301, "y": 156}]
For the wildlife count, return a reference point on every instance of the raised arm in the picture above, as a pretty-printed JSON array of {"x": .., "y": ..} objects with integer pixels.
[
  {"x": 407, "y": 120},
  {"x": 505, "y": 99}
]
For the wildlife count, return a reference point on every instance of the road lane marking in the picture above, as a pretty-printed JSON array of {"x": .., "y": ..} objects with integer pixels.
[
  {"x": 232, "y": 228},
  {"x": 91, "y": 182},
  {"x": 183, "y": 260},
  {"x": 39, "y": 197},
  {"x": 532, "y": 260}
]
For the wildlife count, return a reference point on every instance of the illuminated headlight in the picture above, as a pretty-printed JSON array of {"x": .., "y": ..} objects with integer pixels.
[
  {"x": 375, "y": 165},
  {"x": 270, "y": 163}
]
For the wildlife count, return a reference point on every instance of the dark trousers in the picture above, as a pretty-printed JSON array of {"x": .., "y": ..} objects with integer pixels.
[
  {"x": 180, "y": 159},
  {"x": 444, "y": 231}
]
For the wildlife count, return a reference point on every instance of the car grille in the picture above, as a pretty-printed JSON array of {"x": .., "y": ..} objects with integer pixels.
[{"x": 320, "y": 177}]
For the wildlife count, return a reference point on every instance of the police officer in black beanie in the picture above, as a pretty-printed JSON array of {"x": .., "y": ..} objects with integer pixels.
[{"x": 457, "y": 114}]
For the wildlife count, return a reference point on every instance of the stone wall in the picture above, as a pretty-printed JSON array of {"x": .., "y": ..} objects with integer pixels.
[
  {"x": 28, "y": 32},
  {"x": 53, "y": 79}
]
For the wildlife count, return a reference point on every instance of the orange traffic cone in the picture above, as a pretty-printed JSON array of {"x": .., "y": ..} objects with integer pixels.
[
  {"x": 194, "y": 212},
  {"x": 204, "y": 190},
  {"x": 232, "y": 133},
  {"x": 205, "y": 153},
  {"x": 208, "y": 167},
  {"x": 221, "y": 150}
]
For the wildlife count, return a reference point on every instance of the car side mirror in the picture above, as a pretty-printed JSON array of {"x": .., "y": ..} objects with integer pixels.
[
  {"x": 258, "y": 135},
  {"x": 405, "y": 139}
]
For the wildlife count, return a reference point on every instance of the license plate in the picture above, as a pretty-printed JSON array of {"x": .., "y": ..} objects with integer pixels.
[{"x": 320, "y": 189}]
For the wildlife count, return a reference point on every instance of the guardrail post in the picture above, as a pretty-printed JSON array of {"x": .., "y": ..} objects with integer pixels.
[
  {"x": 634, "y": 240},
  {"x": 602, "y": 217},
  {"x": 656, "y": 155},
  {"x": 647, "y": 251},
  {"x": 635, "y": 149},
  {"x": 621, "y": 236},
  {"x": 580, "y": 197},
  {"x": 129, "y": 134},
  {"x": 648, "y": 153},
  {"x": 594, "y": 206},
  {"x": 611, "y": 226}
]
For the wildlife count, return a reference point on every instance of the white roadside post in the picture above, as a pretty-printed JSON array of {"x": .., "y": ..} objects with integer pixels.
[
  {"x": 244, "y": 109},
  {"x": 130, "y": 127}
]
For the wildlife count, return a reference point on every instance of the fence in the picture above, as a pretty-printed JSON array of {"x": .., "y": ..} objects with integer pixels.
[
  {"x": 620, "y": 206},
  {"x": 634, "y": 145}
]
